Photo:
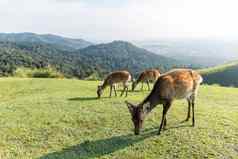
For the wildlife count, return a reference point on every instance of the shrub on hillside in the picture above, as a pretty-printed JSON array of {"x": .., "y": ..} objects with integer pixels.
[{"x": 38, "y": 73}]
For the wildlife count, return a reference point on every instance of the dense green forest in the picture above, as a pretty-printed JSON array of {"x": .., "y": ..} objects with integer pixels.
[
  {"x": 95, "y": 60},
  {"x": 14, "y": 55}
]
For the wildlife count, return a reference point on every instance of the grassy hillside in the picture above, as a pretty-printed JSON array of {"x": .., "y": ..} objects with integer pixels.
[
  {"x": 224, "y": 75},
  {"x": 49, "y": 119}
]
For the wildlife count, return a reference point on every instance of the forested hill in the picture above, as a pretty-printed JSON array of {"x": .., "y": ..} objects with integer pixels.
[
  {"x": 124, "y": 55},
  {"x": 35, "y": 55},
  {"x": 96, "y": 59},
  {"x": 59, "y": 41},
  {"x": 224, "y": 75}
]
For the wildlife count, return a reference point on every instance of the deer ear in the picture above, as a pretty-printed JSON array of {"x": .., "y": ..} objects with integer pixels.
[{"x": 130, "y": 107}]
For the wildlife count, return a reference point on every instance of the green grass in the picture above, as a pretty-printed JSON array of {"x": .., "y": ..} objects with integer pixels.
[{"x": 50, "y": 118}]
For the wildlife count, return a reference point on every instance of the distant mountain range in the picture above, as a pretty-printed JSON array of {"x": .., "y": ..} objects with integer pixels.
[
  {"x": 60, "y": 42},
  {"x": 38, "y": 51},
  {"x": 200, "y": 52}
]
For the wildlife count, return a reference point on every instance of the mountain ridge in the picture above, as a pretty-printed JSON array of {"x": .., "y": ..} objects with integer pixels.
[{"x": 62, "y": 42}]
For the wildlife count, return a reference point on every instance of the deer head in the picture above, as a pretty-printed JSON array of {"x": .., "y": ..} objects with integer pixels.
[{"x": 138, "y": 114}]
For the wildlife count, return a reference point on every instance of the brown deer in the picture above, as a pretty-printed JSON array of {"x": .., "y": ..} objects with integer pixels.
[
  {"x": 112, "y": 79},
  {"x": 145, "y": 77},
  {"x": 176, "y": 84}
]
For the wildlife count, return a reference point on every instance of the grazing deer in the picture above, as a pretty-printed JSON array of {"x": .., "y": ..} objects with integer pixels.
[
  {"x": 146, "y": 76},
  {"x": 176, "y": 84},
  {"x": 112, "y": 79}
]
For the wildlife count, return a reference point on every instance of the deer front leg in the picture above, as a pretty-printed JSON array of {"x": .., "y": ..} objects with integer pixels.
[
  {"x": 166, "y": 107},
  {"x": 165, "y": 123}
]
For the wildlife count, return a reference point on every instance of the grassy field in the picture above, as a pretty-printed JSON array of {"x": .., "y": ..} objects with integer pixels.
[{"x": 62, "y": 119}]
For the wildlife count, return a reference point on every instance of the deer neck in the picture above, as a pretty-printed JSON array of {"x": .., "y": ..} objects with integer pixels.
[
  {"x": 140, "y": 79},
  {"x": 136, "y": 83},
  {"x": 104, "y": 85},
  {"x": 150, "y": 102}
]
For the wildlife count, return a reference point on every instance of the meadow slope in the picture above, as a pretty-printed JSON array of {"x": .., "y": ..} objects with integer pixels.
[
  {"x": 224, "y": 75},
  {"x": 56, "y": 119}
]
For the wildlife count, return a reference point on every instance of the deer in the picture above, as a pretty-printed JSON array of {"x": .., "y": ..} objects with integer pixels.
[
  {"x": 173, "y": 85},
  {"x": 114, "y": 78},
  {"x": 145, "y": 77}
]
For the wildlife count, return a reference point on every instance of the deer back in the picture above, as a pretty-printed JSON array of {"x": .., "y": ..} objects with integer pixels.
[
  {"x": 150, "y": 75},
  {"x": 178, "y": 84},
  {"x": 118, "y": 77}
]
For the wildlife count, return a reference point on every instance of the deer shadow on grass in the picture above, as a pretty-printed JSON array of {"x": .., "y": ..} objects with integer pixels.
[{"x": 99, "y": 148}]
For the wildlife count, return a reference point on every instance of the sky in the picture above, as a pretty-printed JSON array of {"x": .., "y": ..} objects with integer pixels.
[{"x": 106, "y": 20}]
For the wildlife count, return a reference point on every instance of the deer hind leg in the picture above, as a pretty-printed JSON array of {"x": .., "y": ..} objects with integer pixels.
[
  {"x": 189, "y": 109},
  {"x": 193, "y": 105},
  {"x": 142, "y": 85},
  {"x": 124, "y": 88},
  {"x": 163, "y": 123},
  {"x": 111, "y": 91},
  {"x": 114, "y": 87},
  {"x": 127, "y": 88},
  {"x": 148, "y": 84}
]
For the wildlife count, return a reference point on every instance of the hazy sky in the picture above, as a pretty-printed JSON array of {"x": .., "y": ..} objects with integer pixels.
[{"x": 122, "y": 19}]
